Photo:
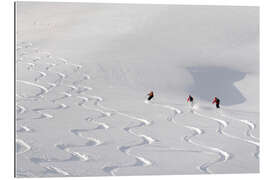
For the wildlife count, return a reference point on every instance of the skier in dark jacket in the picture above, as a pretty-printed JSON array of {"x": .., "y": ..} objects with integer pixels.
[
  {"x": 217, "y": 101},
  {"x": 150, "y": 95},
  {"x": 190, "y": 99}
]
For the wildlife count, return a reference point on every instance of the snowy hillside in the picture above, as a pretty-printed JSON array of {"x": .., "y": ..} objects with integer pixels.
[{"x": 83, "y": 73}]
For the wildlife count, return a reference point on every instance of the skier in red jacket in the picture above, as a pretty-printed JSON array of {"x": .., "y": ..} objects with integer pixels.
[
  {"x": 150, "y": 95},
  {"x": 190, "y": 99},
  {"x": 217, "y": 101}
]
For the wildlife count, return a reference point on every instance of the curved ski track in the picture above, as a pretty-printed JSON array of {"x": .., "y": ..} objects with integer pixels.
[
  {"x": 223, "y": 124},
  {"x": 43, "y": 91},
  {"x": 101, "y": 109},
  {"x": 106, "y": 112},
  {"x": 80, "y": 91},
  {"x": 223, "y": 155}
]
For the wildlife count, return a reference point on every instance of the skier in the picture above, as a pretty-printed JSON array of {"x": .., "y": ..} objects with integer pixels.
[
  {"x": 150, "y": 95},
  {"x": 217, "y": 101},
  {"x": 190, "y": 98}
]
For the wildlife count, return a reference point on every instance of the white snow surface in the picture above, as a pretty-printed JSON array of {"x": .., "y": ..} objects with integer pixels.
[{"x": 83, "y": 72}]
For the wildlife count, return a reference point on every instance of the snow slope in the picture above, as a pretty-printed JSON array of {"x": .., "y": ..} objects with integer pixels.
[{"x": 83, "y": 72}]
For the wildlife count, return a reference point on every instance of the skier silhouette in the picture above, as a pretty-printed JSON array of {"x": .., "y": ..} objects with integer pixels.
[
  {"x": 150, "y": 95},
  {"x": 190, "y": 99},
  {"x": 217, "y": 101}
]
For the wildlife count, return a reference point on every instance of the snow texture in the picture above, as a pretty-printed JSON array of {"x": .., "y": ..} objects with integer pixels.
[{"x": 83, "y": 72}]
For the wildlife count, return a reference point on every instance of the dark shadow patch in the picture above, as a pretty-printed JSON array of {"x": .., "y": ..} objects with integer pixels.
[{"x": 216, "y": 81}]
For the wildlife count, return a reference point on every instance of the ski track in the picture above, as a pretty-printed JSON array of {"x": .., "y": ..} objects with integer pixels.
[
  {"x": 96, "y": 103},
  {"x": 77, "y": 156},
  {"x": 47, "y": 115},
  {"x": 43, "y": 115},
  {"x": 53, "y": 169},
  {"x": 72, "y": 88},
  {"x": 24, "y": 144},
  {"x": 60, "y": 106},
  {"x": 107, "y": 112},
  {"x": 66, "y": 95},
  {"x": 140, "y": 161},
  {"x": 251, "y": 126},
  {"x": 51, "y": 86},
  {"x": 100, "y": 125},
  {"x": 61, "y": 76},
  {"x": 42, "y": 74},
  {"x": 64, "y": 61},
  {"x": 83, "y": 89},
  {"x": 146, "y": 140},
  {"x": 24, "y": 129},
  {"x": 223, "y": 124},
  {"x": 223, "y": 155},
  {"x": 20, "y": 109},
  {"x": 90, "y": 140},
  {"x": 74, "y": 155},
  {"x": 43, "y": 90},
  {"x": 174, "y": 109}
]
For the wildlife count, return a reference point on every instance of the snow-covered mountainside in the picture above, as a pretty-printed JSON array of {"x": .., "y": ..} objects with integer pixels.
[{"x": 83, "y": 73}]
